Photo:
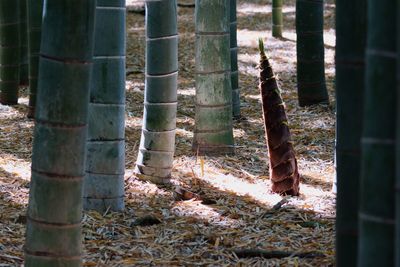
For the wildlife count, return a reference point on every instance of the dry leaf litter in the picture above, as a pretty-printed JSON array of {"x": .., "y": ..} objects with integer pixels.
[{"x": 218, "y": 208}]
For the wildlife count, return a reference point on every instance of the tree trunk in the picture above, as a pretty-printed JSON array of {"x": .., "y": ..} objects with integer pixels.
[
  {"x": 397, "y": 182},
  {"x": 376, "y": 215},
  {"x": 213, "y": 132},
  {"x": 234, "y": 61},
  {"x": 9, "y": 51},
  {"x": 53, "y": 235},
  {"x": 311, "y": 84},
  {"x": 283, "y": 169},
  {"x": 350, "y": 73},
  {"x": 277, "y": 18},
  {"x": 156, "y": 151},
  {"x": 23, "y": 36},
  {"x": 35, "y": 8},
  {"x": 105, "y": 165}
]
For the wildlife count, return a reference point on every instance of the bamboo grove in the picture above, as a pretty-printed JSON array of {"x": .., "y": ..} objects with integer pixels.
[{"x": 77, "y": 99}]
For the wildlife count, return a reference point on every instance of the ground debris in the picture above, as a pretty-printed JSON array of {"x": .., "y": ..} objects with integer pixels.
[
  {"x": 242, "y": 213},
  {"x": 147, "y": 220}
]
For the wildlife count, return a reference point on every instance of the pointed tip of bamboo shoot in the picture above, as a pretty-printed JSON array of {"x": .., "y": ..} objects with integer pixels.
[{"x": 261, "y": 45}]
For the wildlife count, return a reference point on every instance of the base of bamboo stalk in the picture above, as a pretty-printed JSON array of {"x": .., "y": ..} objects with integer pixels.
[
  {"x": 277, "y": 31},
  {"x": 313, "y": 101},
  {"x": 97, "y": 204},
  {"x": 151, "y": 179},
  {"x": 238, "y": 118}
]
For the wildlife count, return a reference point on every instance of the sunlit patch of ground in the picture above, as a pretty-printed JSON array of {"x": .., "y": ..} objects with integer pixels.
[{"x": 236, "y": 209}]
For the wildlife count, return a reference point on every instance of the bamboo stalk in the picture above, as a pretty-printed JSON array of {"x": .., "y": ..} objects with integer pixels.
[
  {"x": 35, "y": 8},
  {"x": 23, "y": 36},
  {"x": 397, "y": 181},
  {"x": 157, "y": 143},
  {"x": 376, "y": 211},
  {"x": 53, "y": 236},
  {"x": 9, "y": 51},
  {"x": 277, "y": 18},
  {"x": 350, "y": 74},
  {"x": 311, "y": 84},
  {"x": 213, "y": 132},
  {"x": 283, "y": 169},
  {"x": 234, "y": 61},
  {"x": 105, "y": 165}
]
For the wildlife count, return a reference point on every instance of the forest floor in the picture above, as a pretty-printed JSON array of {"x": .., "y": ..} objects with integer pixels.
[{"x": 237, "y": 210}]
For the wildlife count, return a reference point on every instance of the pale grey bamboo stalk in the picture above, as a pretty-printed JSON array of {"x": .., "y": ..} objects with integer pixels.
[
  {"x": 157, "y": 144},
  {"x": 104, "y": 182},
  {"x": 213, "y": 118}
]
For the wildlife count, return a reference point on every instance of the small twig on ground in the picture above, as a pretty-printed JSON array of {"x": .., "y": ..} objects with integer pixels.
[
  {"x": 276, "y": 207},
  {"x": 183, "y": 194},
  {"x": 279, "y": 205}
]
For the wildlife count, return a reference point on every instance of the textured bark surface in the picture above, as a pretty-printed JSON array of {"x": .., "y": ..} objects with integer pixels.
[
  {"x": 277, "y": 18},
  {"x": 35, "y": 8},
  {"x": 377, "y": 193},
  {"x": 311, "y": 84},
  {"x": 53, "y": 236},
  {"x": 397, "y": 182},
  {"x": 234, "y": 61},
  {"x": 213, "y": 132},
  {"x": 157, "y": 144},
  {"x": 105, "y": 165},
  {"x": 9, "y": 51},
  {"x": 284, "y": 173},
  {"x": 23, "y": 36},
  {"x": 350, "y": 74}
]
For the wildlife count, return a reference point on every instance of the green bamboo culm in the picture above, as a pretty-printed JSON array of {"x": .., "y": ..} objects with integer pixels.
[
  {"x": 213, "y": 132},
  {"x": 397, "y": 182},
  {"x": 9, "y": 51},
  {"x": 377, "y": 193},
  {"x": 351, "y": 20},
  {"x": 234, "y": 61},
  {"x": 35, "y": 10},
  {"x": 311, "y": 85},
  {"x": 53, "y": 235},
  {"x": 23, "y": 36},
  {"x": 157, "y": 143},
  {"x": 105, "y": 165},
  {"x": 277, "y": 18}
]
